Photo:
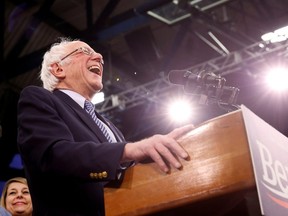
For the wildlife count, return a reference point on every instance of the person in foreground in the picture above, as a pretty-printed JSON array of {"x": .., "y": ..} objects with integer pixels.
[
  {"x": 65, "y": 154},
  {"x": 16, "y": 197}
]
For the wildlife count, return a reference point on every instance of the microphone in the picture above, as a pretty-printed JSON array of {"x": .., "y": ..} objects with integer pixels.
[
  {"x": 207, "y": 85},
  {"x": 187, "y": 78}
]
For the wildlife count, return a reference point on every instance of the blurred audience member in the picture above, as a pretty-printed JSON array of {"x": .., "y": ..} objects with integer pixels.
[{"x": 16, "y": 197}]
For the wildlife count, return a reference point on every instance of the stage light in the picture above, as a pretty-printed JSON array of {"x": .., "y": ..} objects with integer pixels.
[
  {"x": 169, "y": 13},
  {"x": 277, "y": 79},
  {"x": 278, "y": 35},
  {"x": 180, "y": 111},
  {"x": 177, "y": 10}
]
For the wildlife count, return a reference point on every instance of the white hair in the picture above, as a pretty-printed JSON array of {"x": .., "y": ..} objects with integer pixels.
[{"x": 53, "y": 55}]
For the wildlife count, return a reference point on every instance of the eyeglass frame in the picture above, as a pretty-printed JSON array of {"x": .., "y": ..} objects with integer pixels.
[{"x": 84, "y": 50}]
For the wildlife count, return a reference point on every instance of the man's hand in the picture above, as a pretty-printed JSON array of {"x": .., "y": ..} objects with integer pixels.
[{"x": 163, "y": 149}]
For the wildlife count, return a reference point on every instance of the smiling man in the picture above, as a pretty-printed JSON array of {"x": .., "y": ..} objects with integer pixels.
[{"x": 69, "y": 151}]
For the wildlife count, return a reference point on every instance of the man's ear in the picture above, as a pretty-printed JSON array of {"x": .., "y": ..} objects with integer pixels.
[{"x": 57, "y": 71}]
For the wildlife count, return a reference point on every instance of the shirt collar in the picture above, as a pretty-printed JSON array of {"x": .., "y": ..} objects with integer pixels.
[{"x": 75, "y": 96}]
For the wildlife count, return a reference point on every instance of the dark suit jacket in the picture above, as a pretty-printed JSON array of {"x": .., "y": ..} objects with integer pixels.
[{"x": 66, "y": 157}]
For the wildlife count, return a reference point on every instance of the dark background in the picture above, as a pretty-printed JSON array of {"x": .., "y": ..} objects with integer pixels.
[{"x": 139, "y": 51}]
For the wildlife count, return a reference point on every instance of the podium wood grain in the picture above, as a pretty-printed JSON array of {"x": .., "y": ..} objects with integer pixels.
[{"x": 219, "y": 164}]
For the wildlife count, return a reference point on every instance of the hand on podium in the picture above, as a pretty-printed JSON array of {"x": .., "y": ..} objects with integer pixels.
[{"x": 163, "y": 149}]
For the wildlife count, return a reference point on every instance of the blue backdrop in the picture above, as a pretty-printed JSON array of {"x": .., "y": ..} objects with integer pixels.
[{"x": 17, "y": 164}]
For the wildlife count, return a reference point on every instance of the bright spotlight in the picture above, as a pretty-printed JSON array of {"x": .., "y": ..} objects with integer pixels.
[
  {"x": 277, "y": 79},
  {"x": 180, "y": 111},
  {"x": 278, "y": 35}
]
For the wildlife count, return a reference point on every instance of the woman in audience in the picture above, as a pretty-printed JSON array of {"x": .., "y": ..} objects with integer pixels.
[{"x": 16, "y": 197}]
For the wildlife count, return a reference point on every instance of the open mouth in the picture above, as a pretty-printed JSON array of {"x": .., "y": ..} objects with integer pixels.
[{"x": 95, "y": 69}]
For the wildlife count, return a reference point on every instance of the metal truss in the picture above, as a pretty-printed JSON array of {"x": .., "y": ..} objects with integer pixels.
[
  {"x": 148, "y": 92},
  {"x": 250, "y": 55},
  {"x": 224, "y": 65}
]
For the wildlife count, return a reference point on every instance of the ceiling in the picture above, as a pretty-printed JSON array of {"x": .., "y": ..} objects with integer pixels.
[{"x": 140, "y": 51}]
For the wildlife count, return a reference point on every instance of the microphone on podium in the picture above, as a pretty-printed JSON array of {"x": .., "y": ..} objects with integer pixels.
[
  {"x": 209, "y": 86},
  {"x": 187, "y": 78}
]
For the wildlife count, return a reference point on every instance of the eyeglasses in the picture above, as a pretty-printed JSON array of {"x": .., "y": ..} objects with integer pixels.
[{"x": 83, "y": 50}]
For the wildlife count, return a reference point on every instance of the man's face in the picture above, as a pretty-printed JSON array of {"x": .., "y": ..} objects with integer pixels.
[{"x": 84, "y": 71}]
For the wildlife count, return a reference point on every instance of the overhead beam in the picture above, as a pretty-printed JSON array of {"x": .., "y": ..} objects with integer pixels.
[
  {"x": 89, "y": 13},
  {"x": 2, "y": 11},
  {"x": 33, "y": 59},
  {"x": 35, "y": 20},
  {"x": 102, "y": 19}
]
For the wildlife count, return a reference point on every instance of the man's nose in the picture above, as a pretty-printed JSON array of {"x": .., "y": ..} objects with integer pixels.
[{"x": 98, "y": 57}]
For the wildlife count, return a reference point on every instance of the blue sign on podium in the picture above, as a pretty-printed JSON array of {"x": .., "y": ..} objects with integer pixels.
[{"x": 269, "y": 152}]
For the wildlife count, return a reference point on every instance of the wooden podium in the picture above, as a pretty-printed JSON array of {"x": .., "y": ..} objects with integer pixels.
[{"x": 219, "y": 170}]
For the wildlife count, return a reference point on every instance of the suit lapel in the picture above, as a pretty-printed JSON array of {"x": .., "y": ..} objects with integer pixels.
[{"x": 86, "y": 118}]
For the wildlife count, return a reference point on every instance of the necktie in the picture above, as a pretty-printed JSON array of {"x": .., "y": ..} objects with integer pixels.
[{"x": 89, "y": 107}]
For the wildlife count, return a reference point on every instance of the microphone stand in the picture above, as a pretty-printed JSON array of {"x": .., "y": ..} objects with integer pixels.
[{"x": 212, "y": 89}]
